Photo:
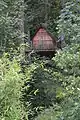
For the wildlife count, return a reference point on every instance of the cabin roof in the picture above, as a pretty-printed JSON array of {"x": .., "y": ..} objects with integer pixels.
[{"x": 41, "y": 27}]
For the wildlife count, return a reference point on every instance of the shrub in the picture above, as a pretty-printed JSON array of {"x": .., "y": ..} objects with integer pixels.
[
  {"x": 68, "y": 23},
  {"x": 10, "y": 87}
]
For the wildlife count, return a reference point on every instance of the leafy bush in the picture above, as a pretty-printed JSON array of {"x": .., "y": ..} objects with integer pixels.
[
  {"x": 39, "y": 87},
  {"x": 49, "y": 114},
  {"x": 67, "y": 73},
  {"x": 68, "y": 63},
  {"x": 10, "y": 87},
  {"x": 68, "y": 23},
  {"x": 10, "y": 24}
]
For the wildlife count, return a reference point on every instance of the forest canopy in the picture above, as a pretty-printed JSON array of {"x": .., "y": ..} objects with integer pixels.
[{"x": 34, "y": 87}]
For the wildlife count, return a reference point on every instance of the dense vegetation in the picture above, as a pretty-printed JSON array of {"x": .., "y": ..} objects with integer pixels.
[{"x": 39, "y": 88}]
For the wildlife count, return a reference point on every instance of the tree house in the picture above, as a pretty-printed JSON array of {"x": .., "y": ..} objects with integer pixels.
[{"x": 44, "y": 43}]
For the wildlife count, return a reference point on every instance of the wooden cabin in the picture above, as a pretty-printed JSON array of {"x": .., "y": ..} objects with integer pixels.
[{"x": 43, "y": 42}]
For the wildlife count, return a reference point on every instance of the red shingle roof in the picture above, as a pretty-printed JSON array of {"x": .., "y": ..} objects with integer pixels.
[{"x": 43, "y": 40}]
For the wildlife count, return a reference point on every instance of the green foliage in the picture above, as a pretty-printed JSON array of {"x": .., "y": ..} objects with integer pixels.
[
  {"x": 65, "y": 69},
  {"x": 43, "y": 12},
  {"x": 50, "y": 114},
  {"x": 67, "y": 73},
  {"x": 10, "y": 24},
  {"x": 10, "y": 86},
  {"x": 68, "y": 63},
  {"x": 39, "y": 87},
  {"x": 68, "y": 23}
]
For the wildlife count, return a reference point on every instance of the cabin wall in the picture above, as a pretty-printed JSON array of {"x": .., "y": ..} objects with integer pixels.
[{"x": 43, "y": 41}]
